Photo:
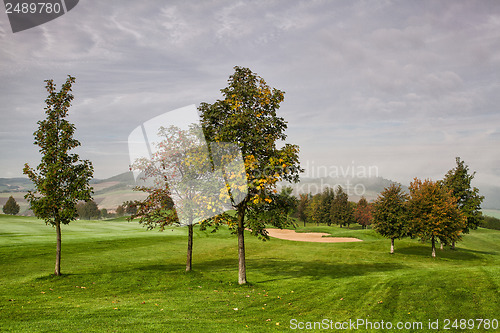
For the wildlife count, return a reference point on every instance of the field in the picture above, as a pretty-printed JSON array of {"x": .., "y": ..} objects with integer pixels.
[{"x": 119, "y": 277}]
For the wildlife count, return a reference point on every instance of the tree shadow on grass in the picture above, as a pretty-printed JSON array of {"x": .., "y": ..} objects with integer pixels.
[
  {"x": 458, "y": 254},
  {"x": 286, "y": 269}
]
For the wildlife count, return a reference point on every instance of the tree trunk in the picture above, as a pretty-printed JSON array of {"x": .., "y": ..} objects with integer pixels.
[
  {"x": 392, "y": 245},
  {"x": 57, "y": 270},
  {"x": 453, "y": 245},
  {"x": 190, "y": 248},
  {"x": 433, "y": 247},
  {"x": 242, "y": 271},
  {"x": 442, "y": 246}
]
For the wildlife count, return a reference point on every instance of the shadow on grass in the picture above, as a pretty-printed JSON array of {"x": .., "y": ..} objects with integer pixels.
[
  {"x": 457, "y": 254},
  {"x": 284, "y": 269}
]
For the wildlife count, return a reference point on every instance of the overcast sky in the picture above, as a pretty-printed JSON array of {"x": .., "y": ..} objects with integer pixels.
[{"x": 403, "y": 86}]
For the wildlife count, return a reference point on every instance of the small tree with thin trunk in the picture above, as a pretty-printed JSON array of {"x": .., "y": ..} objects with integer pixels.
[
  {"x": 433, "y": 213},
  {"x": 11, "y": 207},
  {"x": 61, "y": 179},
  {"x": 389, "y": 213}
]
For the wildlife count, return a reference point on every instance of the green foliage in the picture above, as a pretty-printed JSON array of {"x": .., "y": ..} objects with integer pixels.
[
  {"x": 120, "y": 211},
  {"x": 11, "y": 207},
  {"x": 491, "y": 222},
  {"x": 341, "y": 211},
  {"x": 61, "y": 179},
  {"x": 302, "y": 205},
  {"x": 389, "y": 212},
  {"x": 88, "y": 210},
  {"x": 458, "y": 180},
  {"x": 247, "y": 116}
]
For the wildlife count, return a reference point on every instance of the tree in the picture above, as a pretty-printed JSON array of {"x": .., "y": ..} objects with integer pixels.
[
  {"x": 303, "y": 203},
  {"x": 458, "y": 180},
  {"x": 247, "y": 116},
  {"x": 104, "y": 213},
  {"x": 180, "y": 169},
  {"x": 341, "y": 210},
  {"x": 120, "y": 211},
  {"x": 363, "y": 213},
  {"x": 327, "y": 198},
  {"x": 130, "y": 207},
  {"x": 88, "y": 210},
  {"x": 389, "y": 213},
  {"x": 61, "y": 179},
  {"x": 433, "y": 213},
  {"x": 11, "y": 207},
  {"x": 314, "y": 212}
]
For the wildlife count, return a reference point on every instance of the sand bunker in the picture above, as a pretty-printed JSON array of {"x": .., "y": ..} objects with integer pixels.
[{"x": 308, "y": 236}]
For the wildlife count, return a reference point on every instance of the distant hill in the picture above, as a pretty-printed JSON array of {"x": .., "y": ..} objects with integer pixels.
[
  {"x": 111, "y": 192},
  {"x": 354, "y": 187},
  {"x": 15, "y": 184}
]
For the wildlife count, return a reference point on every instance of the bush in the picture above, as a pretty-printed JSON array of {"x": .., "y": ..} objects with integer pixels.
[{"x": 491, "y": 222}]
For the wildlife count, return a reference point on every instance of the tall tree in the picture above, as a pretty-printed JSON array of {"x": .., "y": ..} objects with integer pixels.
[
  {"x": 247, "y": 116},
  {"x": 433, "y": 213},
  {"x": 342, "y": 213},
  {"x": 458, "y": 180},
  {"x": 314, "y": 212},
  {"x": 389, "y": 213},
  {"x": 11, "y": 207},
  {"x": 327, "y": 198},
  {"x": 302, "y": 207},
  {"x": 363, "y": 213},
  {"x": 61, "y": 179}
]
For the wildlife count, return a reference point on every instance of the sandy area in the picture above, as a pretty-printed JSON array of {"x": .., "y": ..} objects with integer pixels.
[{"x": 308, "y": 236}]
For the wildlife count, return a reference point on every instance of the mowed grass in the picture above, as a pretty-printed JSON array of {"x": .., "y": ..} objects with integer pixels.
[{"x": 119, "y": 277}]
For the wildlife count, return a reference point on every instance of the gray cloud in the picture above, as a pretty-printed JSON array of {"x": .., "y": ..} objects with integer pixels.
[{"x": 406, "y": 86}]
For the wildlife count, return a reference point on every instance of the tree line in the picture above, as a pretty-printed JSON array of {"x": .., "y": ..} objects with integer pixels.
[{"x": 436, "y": 211}]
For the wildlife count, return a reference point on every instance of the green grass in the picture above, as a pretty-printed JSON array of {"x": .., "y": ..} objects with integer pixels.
[{"x": 119, "y": 277}]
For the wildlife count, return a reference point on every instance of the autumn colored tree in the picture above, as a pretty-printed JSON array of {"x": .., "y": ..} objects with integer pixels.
[
  {"x": 363, "y": 213},
  {"x": 11, "y": 207},
  {"x": 247, "y": 116},
  {"x": 314, "y": 211},
  {"x": 458, "y": 180},
  {"x": 182, "y": 175},
  {"x": 342, "y": 213},
  {"x": 433, "y": 213},
  {"x": 389, "y": 213},
  {"x": 61, "y": 179},
  {"x": 157, "y": 210}
]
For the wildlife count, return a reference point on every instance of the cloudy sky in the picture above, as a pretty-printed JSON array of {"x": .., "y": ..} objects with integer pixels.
[{"x": 403, "y": 86}]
